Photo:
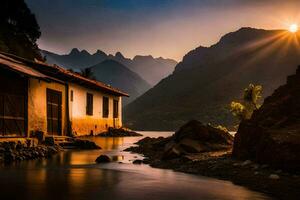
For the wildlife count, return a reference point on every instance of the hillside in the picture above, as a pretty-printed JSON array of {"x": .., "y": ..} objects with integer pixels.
[
  {"x": 209, "y": 78},
  {"x": 150, "y": 69},
  {"x": 119, "y": 76}
]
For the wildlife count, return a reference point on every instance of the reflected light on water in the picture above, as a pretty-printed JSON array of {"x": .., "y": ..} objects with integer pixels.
[{"x": 75, "y": 175}]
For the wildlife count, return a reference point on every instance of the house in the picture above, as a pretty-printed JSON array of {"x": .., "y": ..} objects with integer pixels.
[{"x": 37, "y": 97}]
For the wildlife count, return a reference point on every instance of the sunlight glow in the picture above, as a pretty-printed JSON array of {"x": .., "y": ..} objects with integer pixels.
[{"x": 293, "y": 28}]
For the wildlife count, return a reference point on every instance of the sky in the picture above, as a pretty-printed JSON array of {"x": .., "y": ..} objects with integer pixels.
[{"x": 162, "y": 28}]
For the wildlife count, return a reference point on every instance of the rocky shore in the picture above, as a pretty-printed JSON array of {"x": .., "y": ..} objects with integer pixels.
[
  {"x": 212, "y": 156},
  {"x": 16, "y": 151},
  {"x": 119, "y": 132}
]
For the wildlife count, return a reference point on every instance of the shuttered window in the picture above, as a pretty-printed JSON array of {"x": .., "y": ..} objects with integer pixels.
[
  {"x": 72, "y": 95},
  {"x": 105, "y": 107},
  {"x": 116, "y": 108},
  {"x": 89, "y": 104}
]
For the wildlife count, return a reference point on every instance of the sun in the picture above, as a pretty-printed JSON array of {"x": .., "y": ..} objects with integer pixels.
[{"x": 293, "y": 28}]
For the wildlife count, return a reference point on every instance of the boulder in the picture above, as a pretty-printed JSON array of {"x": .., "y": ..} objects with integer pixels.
[
  {"x": 194, "y": 137},
  {"x": 272, "y": 135},
  {"x": 103, "y": 159},
  {"x": 119, "y": 132},
  {"x": 137, "y": 162},
  {"x": 85, "y": 144}
]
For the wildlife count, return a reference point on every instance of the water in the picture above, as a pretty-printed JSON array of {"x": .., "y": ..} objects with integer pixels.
[{"x": 75, "y": 175}]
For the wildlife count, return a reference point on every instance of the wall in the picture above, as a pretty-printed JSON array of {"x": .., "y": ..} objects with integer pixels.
[
  {"x": 37, "y": 105},
  {"x": 83, "y": 124}
]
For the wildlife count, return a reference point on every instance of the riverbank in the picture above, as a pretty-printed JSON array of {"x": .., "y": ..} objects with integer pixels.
[
  {"x": 219, "y": 164},
  {"x": 17, "y": 151}
]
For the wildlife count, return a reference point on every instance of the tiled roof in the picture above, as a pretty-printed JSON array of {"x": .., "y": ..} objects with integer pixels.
[{"x": 43, "y": 70}]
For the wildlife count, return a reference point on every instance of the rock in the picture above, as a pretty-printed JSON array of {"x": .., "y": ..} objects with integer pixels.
[
  {"x": 196, "y": 131},
  {"x": 171, "y": 153},
  {"x": 103, "y": 159},
  {"x": 194, "y": 137},
  {"x": 49, "y": 141},
  {"x": 146, "y": 161},
  {"x": 119, "y": 132},
  {"x": 272, "y": 135},
  {"x": 274, "y": 177},
  {"x": 2, "y": 150},
  {"x": 85, "y": 144},
  {"x": 137, "y": 162},
  {"x": 255, "y": 166},
  {"x": 247, "y": 162}
]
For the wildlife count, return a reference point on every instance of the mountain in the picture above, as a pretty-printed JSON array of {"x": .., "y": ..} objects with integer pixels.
[
  {"x": 75, "y": 59},
  {"x": 209, "y": 78},
  {"x": 150, "y": 69},
  {"x": 119, "y": 76}
]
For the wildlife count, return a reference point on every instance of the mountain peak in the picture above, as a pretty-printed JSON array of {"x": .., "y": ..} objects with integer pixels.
[
  {"x": 74, "y": 51},
  {"x": 143, "y": 57},
  {"x": 119, "y": 55},
  {"x": 100, "y": 53},
  {"x": 247, "y": 34},
  {"x": 85, "y": 52}
]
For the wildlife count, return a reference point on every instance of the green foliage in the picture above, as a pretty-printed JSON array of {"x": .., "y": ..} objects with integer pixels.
[
  {"x": 19, "y": 29},
  {"x": 88, "y": 73},
  {"x": 252, "y": 94},
  {"x": 222, "y": 128},
  {"x": 244, "y": 110}
]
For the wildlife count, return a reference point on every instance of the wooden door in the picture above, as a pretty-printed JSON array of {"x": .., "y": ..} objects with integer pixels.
[
  {"x": 12, "y": 115},
  {"x": 13, "y": 104},
  {"x": 54, "y": 112}
]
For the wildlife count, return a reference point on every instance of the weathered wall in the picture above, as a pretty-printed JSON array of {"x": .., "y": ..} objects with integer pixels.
[
  {"x": 83, "y": 124},
  {"x": 37, "y": 105}
]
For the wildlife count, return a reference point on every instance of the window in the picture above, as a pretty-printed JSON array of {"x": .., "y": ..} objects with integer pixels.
[
  {"x": 116, "y": 108},
  {"x": 72, "y": 94},
  {"x": 105, "y": 107},
  {"x": 89, "y": 104}
]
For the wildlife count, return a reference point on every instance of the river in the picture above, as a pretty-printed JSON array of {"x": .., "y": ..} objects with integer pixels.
[{"x": 75, "y": 175}]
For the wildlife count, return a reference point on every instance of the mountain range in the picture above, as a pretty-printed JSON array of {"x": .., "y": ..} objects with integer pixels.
[
  {"x": 152, "y": 70},
  {"x": 119, "y": 76},
  {"x": 209, "y": 78}
]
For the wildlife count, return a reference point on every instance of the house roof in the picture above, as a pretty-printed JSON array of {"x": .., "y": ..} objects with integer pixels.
[
  {"x": 20, "y": 67},
  {"x": 43, "y": 70}
]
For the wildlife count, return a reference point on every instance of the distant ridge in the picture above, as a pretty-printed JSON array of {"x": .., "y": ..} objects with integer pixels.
[
  {"x": 150, "y": 69},
  {"x": 209, "y": 78},
  {"x": 119, "y": 76}
]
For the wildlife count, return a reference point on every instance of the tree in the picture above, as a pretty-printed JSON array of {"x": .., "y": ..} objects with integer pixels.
[
  {"x": 19, "y": 29},
  {"x": 88, "y": 73},
  {"x": 249, "y": 104}
]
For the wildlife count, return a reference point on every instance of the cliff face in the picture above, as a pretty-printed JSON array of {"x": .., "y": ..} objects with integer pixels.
[{"x": 272, "y": 135}]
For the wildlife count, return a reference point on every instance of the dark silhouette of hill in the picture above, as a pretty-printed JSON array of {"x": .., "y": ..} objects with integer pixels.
[
  {"x": 209, "y": 78},
  {"x": 119, "y": 76},
  {"x": 150, "y": 69}
]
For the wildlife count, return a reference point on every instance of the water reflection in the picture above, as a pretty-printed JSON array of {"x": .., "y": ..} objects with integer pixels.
[
  {"x": 74, "y": 175},
  {"x": 109, "y": 143}
]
